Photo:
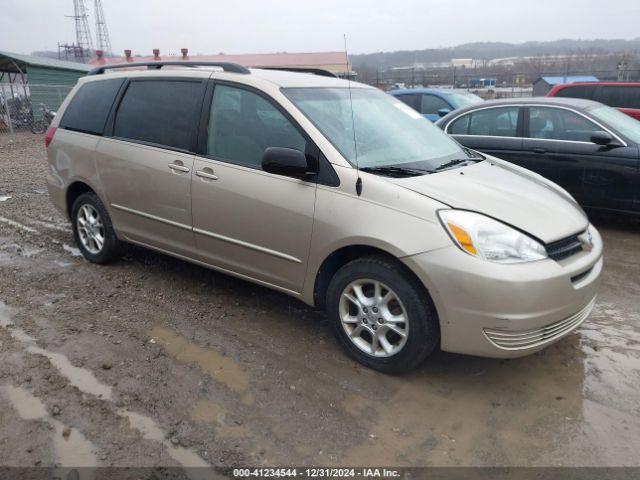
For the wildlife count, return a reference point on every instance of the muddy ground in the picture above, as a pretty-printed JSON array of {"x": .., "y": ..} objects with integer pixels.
[{"x": 153, "y": 361}]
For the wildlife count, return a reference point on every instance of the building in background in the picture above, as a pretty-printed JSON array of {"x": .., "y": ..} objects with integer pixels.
[
  {"x": 543, "y": 85},
  {"x": 27, "y": 81},
  {"x": 335, "y": 62}
]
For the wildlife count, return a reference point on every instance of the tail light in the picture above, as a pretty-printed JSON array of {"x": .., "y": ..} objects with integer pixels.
[{"x": 51, "y": 131}]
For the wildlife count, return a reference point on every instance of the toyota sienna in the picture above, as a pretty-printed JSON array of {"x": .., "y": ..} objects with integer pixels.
[{"x": 329, "y": 191}]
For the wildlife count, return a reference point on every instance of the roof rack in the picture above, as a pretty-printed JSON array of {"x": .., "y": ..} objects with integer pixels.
[
  {"x": 316, "y": 71},
  {"x": 226, "y": 66}
]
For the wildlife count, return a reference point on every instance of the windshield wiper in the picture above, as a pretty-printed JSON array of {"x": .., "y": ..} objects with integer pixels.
[
  {"x": 473, "y": 154},
  {"x": 394, "y": 171},
  {"x": 455, "y": 163}
]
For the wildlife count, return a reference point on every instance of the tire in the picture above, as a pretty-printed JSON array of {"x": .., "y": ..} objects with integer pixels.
[
  {"x": 87, "y": 242},
  {"x": 422, "y": 333},
  {"x": 38, "y": 126}
]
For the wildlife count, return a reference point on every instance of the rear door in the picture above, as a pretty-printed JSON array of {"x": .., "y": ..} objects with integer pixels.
[
  {"x": 495, "y": 131},
  {"x": 145, "y": 162},
  {"x": 558, "y": 146},
  {"x": 246, "y": 220}
]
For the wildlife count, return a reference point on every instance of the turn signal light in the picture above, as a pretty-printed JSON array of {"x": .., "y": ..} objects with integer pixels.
[{"x": 463, "y": 238}]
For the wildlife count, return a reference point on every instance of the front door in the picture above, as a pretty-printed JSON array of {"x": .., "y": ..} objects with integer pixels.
[
  {"x": 145, "y": 163},
  {"x": 248, "y": 221},
  {"x": 559, "y": 147}
]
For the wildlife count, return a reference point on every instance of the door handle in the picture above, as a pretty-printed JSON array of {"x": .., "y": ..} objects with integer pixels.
[
  {"x": 539, "y": 150},
  {"x": 206, "y": 173},
  {"x": 178, "y": 168}
]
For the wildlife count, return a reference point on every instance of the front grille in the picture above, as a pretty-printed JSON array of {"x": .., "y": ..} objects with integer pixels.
[
  {"x": 514, "y": 340},
  {"x": 564, "y": 248}
]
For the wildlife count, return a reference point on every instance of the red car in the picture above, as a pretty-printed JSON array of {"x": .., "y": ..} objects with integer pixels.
[{"x": 625, "y": 96}]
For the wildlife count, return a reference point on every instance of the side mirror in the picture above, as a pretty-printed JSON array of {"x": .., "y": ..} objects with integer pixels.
[
  {"x": 444, "y": 112},
  {"x": 601, "y": 138},
  {"x": 287, "y": 162}
]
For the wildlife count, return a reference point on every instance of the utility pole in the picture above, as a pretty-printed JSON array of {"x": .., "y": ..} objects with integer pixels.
[{"x": 102, "y": 34}]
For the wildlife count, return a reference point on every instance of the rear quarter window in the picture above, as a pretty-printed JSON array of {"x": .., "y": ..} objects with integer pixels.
[
  {"x": 159, "y": 112},
  {"x": 89, "y": 108}
]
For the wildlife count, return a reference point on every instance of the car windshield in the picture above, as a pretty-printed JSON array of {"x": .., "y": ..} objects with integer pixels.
[
  {"x": 623, "y": 123},
  {"x": 388, "y": 133},
  {"x": 464, "y": 99}
]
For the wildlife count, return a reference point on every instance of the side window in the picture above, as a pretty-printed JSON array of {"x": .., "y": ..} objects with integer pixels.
[
  {"x": 559, "y": 124},
  {"x": 410, "y": 99},
  {"x": 495, "y": 122},
  {"x": 460, "y": 126},
  {"x": 621, "y": 97},
  {"x": 430, "y": 104},
  {"x": 161, "y": 112},
  {"x": 579, "y": 91},
  {"x": 89, "y": 108},
  {"x": 242, "y": 125}
]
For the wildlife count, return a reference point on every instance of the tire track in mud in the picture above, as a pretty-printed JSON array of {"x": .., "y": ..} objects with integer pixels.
[{"x": 30, "y": 407}]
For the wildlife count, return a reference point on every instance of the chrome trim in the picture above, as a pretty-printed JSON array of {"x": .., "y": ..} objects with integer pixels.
[
  {"x": 151, "y": 217},
  {"x": 209, "y": 234},
  {"x": 215, "y": 267},
  {"x": 526, "y": 339},
  {"x": 535, "y": 105},
  {"x": 247, "y": 245}
]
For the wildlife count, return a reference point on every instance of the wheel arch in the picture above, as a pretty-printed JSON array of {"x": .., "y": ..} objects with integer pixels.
[
  {"x": 343, "y": 255},
  {"x": 75, "y": 189}
]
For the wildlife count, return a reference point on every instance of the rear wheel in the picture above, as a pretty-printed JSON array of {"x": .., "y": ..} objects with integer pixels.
[
  {"x": 93, "y": 231},
  {"x": 382, "y": 316}
]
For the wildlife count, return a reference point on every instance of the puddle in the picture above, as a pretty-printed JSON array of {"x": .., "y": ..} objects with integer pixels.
[
  {"x": 17, "y": 225},
  {"x": 223, "y": 369},
  {"x": 75, "y": 252},
  {"x": 71, "y": 450},
  {"x": 151, "y": 431},
  {"x": 4, "y": 198},
  {"x": 82, "y": 378}
]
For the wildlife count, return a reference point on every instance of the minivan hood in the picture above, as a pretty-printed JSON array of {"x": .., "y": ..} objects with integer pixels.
[{"x": 515, "y": 196}]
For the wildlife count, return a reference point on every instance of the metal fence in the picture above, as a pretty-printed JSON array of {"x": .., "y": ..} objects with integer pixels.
[{"x": 23, "y": 106}]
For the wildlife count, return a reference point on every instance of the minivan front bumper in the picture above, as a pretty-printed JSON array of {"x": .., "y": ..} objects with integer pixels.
[{"x": 504, "y": 311}]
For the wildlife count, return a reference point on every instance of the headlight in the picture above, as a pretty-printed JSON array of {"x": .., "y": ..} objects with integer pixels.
[{"x": 486, "y": 238}]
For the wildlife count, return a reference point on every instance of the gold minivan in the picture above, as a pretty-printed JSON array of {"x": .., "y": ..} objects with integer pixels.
[{"x": 329, "y": 191}]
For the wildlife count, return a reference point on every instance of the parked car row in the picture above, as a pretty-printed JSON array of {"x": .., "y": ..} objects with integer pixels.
[
  {"x": 589, "y": 149},
  {"x": 586, "y": 147}
]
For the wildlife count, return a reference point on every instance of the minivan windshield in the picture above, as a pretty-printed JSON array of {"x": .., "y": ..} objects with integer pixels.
[
  {"x": 387, "y": 133},
  {"x": 623, "y": 123}
]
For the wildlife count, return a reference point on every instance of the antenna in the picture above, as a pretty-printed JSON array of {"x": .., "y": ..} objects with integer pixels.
[{"x": 353, "y": 120}]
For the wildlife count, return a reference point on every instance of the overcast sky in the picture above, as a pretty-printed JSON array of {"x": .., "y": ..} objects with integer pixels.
[{"x": 256, "y": 26}]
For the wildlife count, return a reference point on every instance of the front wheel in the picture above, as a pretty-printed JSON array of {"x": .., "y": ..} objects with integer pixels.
[
  {"x": 382, "y": 316},
  {"x": 93, "y": 231}
]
